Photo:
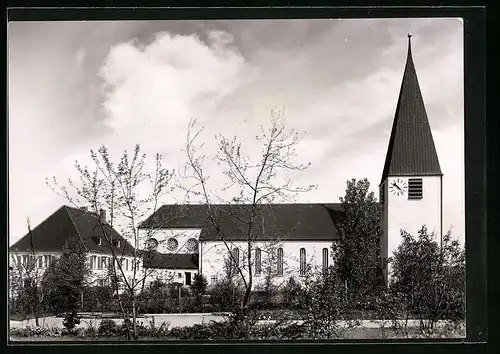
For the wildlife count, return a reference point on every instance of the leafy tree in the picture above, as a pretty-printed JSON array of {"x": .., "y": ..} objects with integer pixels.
[
  {"x": 430, "y": 277},
  {"x": 357, "y": 255},
  {"x": 66, "y": 278}
]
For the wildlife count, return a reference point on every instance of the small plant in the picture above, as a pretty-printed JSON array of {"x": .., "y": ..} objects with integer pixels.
[
  {"x": 107, "y": 328},
  {"x": 157, "y": 332},
  {"x": 90, "y": 331},
  {"x": 71, "y": 320}
]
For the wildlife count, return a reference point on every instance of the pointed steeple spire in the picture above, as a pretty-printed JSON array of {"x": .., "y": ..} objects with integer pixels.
[{"x": 411, "y": 150}]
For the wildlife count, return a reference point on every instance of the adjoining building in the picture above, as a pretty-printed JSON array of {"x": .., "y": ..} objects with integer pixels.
[{"x": 37, "y": 249}]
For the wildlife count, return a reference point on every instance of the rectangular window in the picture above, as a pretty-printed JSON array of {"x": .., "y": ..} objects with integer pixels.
[
  {"x": 126, "y": 264},
  {"x": 19, "y": 260},
  {"x": 25, "y": 260},
  {"x": 46, "y": 261},
  {"x": 415, "y": 188},
  {"x": 382, "y": 194},
  {"x": 279, "y": 269},
  {"x": 40, "y": 261},
  {"x": 94, "y": 262},
  {"x": 213, "y": 279},
  {"x": 302, "y": 261},
  {"x": 258, "y": 262}
]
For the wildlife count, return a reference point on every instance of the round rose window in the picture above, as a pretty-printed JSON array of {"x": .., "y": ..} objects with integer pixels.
[
  {"x": 152, "y": 244},
  {"x": 192, "y": 244},
  {"x": 172, "y": 244}
]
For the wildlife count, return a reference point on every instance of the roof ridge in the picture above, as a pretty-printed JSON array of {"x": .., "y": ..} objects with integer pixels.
[{"x": 74, "y": 226}]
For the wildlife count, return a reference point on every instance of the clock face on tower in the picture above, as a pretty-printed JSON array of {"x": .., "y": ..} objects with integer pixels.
[{"x": 398, "y": 187}]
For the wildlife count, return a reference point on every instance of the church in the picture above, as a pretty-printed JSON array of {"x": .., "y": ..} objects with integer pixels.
[
  {"x": 290, "y": 239},
  {"x": 287, "y": 240}
]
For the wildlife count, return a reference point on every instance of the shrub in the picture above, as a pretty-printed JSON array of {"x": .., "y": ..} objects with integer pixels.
[
  {"x": 107, "y": 328},
  {"x": 292, "y": 293},
  {"x": 225, "y": 296},
  {"x": 157, "y": 332},
  {"x": 35, "y": 331},
  {"x": 90, "y": 331},
  {"x": 98, "y": 299},
  {"x": 325, "y": 304},
  {"x": 71, "y": 320},
  {"x": 200, "y": 284},
  {"x": 430, "y": 278}
]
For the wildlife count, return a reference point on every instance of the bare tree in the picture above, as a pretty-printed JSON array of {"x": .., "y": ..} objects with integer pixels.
[
  {"x": 255, "y": 185},
  {"x": 26, "y": 279},
  {"x": 129, "y": 193}
]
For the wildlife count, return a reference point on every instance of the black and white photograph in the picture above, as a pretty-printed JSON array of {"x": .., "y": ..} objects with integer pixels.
[{"x": 212, "y": 180}]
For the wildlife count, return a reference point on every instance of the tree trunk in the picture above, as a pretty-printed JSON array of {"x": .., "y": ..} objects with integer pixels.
[
  {"x": 134, "y": 316},
  {"x": 37, "y": 307}
]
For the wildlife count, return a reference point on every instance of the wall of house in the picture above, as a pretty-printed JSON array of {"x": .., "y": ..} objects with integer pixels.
[
  {"x": 214, "y": 254},
  {"x": 171, "y": 275},
  {"x": 19, "y": 262},
  {"x": 181, "y": 235},
  {"x": 98, "y": 263},
  {"x": 410, "y": 215}
]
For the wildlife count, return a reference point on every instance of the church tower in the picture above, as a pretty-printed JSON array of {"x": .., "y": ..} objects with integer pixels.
[{"x": 411, "y": 188}]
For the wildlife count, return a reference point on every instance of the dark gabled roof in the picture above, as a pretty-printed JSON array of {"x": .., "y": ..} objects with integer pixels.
[
  {"x": 170, "y": 261},
  {"x": 66, "y": 222},
  {"x": 274, "y": 221},
  {"x": 411, "y": 148}
]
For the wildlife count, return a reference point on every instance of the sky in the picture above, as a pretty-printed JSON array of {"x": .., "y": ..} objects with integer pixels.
[{"x": 74, "y": 86}]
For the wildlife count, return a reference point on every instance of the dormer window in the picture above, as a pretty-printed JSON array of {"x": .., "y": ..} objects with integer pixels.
[
  {"x": 415, "y": 188},
  {"x": 116, "y": 243},
  {"x": 98, "y": 241}
]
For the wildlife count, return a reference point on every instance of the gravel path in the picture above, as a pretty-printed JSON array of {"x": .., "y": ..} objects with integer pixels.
[{"x": 174, "y": 320}]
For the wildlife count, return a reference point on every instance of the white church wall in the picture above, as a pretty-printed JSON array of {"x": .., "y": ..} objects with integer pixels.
[
  {"x": 411, "y": 215},
  {"x": 214, "y": 253},
  {"x": 170, "y": 276},
  {"x": 384, "y": 225}
]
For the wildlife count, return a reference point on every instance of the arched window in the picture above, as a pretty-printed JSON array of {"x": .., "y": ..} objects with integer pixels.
[
  {"x": 258, "y": 262},
  {"x": 325, "y": 258},
  {"x": 280, "y": 262},
  {"x": 302, "y": 261}
]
